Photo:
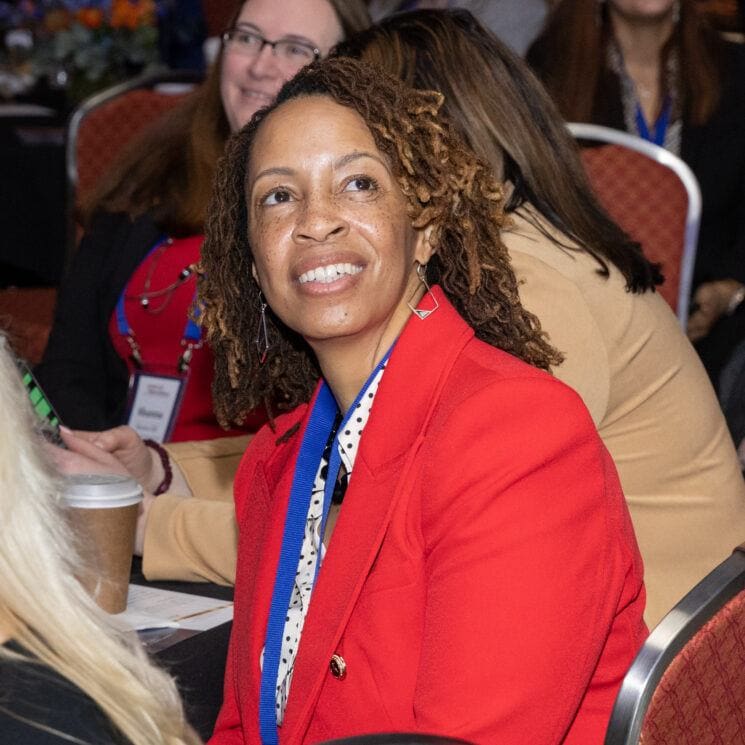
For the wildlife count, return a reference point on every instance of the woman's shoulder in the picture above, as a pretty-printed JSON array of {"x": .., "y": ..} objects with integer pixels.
[
  {"x": 496, "y": 406},
  {"x": 550, "y": 266},
  {"x": 531, "y": 238},
  {"x": 117, "y": 227},
  {"x": 596, "y": 323},
  {"x": 40, "y": 707},
  {"x": 485, "y": 378},
  {"x": 113, "y": 242}
]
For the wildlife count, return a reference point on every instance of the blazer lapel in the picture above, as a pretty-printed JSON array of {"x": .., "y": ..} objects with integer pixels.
[
  {"x": 261, "y": 527},
  {"x": 416, "y": 372}
]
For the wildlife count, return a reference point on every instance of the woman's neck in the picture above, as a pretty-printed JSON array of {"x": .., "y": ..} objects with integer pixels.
[
  {"x": 347, "y": 362},
  {"x": 641, "y": 40}
]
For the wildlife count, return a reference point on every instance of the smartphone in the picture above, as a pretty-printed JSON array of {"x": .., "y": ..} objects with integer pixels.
[{"x": 50, "y": 421}]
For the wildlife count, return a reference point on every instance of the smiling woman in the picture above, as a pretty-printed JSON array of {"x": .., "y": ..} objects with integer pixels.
[
  {"x": 393, "y": 573},
  {"x": 264, "y": 47}
]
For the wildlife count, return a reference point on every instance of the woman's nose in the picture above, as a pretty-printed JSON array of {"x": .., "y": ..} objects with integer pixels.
[
  {"x": 319, "y": 221},
  {"x": 264, "y": 64}
]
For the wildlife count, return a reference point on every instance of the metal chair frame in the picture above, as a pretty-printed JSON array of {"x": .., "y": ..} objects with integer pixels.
[
  {"x": 171, "y": 81},
  {"x": 582, "y": 131},
  {"x": 667, "y": 639}
]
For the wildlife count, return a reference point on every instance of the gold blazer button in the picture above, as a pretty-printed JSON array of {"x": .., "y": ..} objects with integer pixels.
[{"x": 338, "y": 667}]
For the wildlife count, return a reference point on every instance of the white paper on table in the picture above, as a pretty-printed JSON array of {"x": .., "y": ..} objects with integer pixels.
[{"x": 153, "y": 608}]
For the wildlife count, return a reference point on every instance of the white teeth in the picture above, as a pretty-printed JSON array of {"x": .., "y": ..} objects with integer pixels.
[
  {"x": 330, "y": 273},
  {"x": 256, "y": 94}
]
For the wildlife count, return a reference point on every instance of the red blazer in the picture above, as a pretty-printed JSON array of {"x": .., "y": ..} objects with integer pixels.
[{"x": 483, "y": 579}]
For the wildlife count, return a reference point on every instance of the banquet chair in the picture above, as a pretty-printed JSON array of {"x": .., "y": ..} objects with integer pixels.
[
  {"x": 653, "y": 195},
  {"x": 687, "y": 684},
  {"x": 106, "y": 122},
  {"x": 26, "y": 319}
]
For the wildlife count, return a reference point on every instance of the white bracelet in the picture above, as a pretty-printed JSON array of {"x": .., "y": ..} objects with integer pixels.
[{"x": 735, "y": 300}]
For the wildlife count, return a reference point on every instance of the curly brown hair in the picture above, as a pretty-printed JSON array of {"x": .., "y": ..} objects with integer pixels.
[{"x": 448, "y": 190}]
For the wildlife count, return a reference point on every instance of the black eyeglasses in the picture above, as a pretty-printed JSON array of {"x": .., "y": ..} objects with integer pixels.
[{"x": 288, "y": 52}]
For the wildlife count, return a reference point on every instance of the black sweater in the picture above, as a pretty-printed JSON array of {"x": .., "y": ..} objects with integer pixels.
[
  {"x": 81, "y": 373},
  {"x": 36, "y": 703}
]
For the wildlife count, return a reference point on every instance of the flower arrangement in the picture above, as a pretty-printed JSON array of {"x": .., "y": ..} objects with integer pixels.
[{"x": 79, "y": 45}]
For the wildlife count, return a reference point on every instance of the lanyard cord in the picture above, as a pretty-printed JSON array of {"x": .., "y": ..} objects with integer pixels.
[
  {"x": 191, "y": 338},
  {"x": 317, "y": 434},
  {"x": 660, "y": 126}
]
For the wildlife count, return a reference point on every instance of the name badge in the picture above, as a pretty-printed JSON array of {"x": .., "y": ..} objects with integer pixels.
[{"x": 154, "y": 404}]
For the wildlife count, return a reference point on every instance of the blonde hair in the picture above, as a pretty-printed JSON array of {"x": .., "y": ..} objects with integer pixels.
[{"x": 46, "y": 610}]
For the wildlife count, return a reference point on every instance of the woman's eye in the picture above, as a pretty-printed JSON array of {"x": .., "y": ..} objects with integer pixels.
[
  {"x": 361, "y": 183},
  {"x": 278, "y": 196}
]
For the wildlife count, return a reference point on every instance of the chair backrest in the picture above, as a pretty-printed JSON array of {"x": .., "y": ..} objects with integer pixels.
[
  {"x": 106, "y": 122},
  {"x": 687, "y": 684},
  {"x": 654, "y": 196},
  {"x": 26, "y": 319}
]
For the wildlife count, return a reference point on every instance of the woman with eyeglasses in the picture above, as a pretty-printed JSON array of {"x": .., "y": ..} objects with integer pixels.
[{"x": 123, "y": 348}]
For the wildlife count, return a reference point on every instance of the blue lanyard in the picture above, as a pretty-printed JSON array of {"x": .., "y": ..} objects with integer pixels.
[
  {"x": 660, "y": 126},
  {"x": 314, "y": 442},
  {"x": 192, "y": 333}
]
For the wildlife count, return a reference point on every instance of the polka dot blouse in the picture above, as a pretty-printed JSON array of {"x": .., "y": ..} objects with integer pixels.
[{"x": 313, "y": 550}]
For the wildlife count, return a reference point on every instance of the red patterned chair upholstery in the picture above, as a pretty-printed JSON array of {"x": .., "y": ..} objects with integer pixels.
[
  {"x": 687, "y": 684},
  {"x": 26, "y": 319},
  {"x": 653, "y": 196},
  {"x": 103, "y": 124}
]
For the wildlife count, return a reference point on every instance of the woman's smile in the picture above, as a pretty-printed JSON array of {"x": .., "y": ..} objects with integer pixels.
[{"x": 330, "y": 273}]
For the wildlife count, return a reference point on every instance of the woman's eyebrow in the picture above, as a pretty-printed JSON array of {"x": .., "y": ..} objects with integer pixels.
[
  {"x": 356, "y": 155},
  {"x": 275, "y": 171},
  {"x": 338, "y": 163}
]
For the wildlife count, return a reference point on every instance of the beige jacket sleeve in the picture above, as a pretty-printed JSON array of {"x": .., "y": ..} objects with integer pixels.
[{"x": 194, "y": 538}]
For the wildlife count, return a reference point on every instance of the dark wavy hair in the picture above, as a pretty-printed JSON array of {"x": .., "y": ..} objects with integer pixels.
[
  {"x": 511, "y": 122},
  {"x": 448, "y": 189}
]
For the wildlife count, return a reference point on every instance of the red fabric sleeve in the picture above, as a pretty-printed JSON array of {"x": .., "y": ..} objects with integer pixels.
[{"x": 532, "y": 560}]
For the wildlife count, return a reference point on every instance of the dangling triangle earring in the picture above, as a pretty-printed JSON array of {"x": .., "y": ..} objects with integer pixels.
[
  {"x": 421, "y": 314},
  {"x": 262, "y": 336}
]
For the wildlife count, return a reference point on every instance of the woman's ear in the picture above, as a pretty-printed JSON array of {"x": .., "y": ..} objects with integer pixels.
[{"x": 424, "y": 246}]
